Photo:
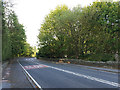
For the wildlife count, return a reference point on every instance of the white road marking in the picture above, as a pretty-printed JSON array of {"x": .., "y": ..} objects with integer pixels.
[
  {"x": 87, "y": 77},
  {"x": 30, "y": 76},
  {"x": 35, "y": 66}
]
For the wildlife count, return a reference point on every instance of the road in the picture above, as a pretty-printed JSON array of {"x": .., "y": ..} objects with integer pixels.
[{"x": 58, "y": 75}]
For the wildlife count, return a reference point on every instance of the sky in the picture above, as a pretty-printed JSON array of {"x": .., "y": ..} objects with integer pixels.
[{"x": 31, "y": 13}]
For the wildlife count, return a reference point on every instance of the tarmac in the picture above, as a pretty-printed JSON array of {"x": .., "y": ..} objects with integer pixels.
[{"x": 13, "y": 76}]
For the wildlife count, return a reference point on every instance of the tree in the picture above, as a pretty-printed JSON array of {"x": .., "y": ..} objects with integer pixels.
[
  {"x": 49, "y": 36},
  {"x": 84, "y": 33},
  {"x": 28, "y": 50},
  {"x": 13, "y": 34}
]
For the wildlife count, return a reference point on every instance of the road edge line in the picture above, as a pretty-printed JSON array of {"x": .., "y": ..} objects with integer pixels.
[{"x": 33, "y": 80}]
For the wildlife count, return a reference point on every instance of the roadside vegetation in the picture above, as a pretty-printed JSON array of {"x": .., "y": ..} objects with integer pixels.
[
  {"x": 13, "y": 35},
  {"x": 89, "y": 33}
]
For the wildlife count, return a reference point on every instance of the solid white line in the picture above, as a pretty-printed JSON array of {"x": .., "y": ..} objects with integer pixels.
[
  {"x": 30, "y": 76},
  {"x": 87, "y": 77}
]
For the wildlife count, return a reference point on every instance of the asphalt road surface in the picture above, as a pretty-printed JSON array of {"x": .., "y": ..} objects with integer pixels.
[{"x": 58, "y": 75}]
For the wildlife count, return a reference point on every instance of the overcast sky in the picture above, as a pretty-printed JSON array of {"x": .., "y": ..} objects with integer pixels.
[{"x": 31, "y": 13}]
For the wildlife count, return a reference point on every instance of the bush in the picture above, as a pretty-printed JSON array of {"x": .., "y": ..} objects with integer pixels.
[{"x": 101, "y": 57}]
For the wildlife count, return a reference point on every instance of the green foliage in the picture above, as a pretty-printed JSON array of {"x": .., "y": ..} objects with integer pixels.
[
  {"x": 100, "y": 57},
  {"x": 28, "y": 50},
  {"x": 84, "y": 33},
  {"x": 13, "y": 35}
]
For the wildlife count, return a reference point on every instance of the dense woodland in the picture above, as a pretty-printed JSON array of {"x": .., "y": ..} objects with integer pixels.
[
  {"x": 13, "y": 35},
  {"x": 89, "y": 33}
]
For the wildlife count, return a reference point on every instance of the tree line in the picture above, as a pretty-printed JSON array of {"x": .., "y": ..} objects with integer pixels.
[
  {"x": 89, "y": 33},
  {"x": 13, "y": 34}
]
